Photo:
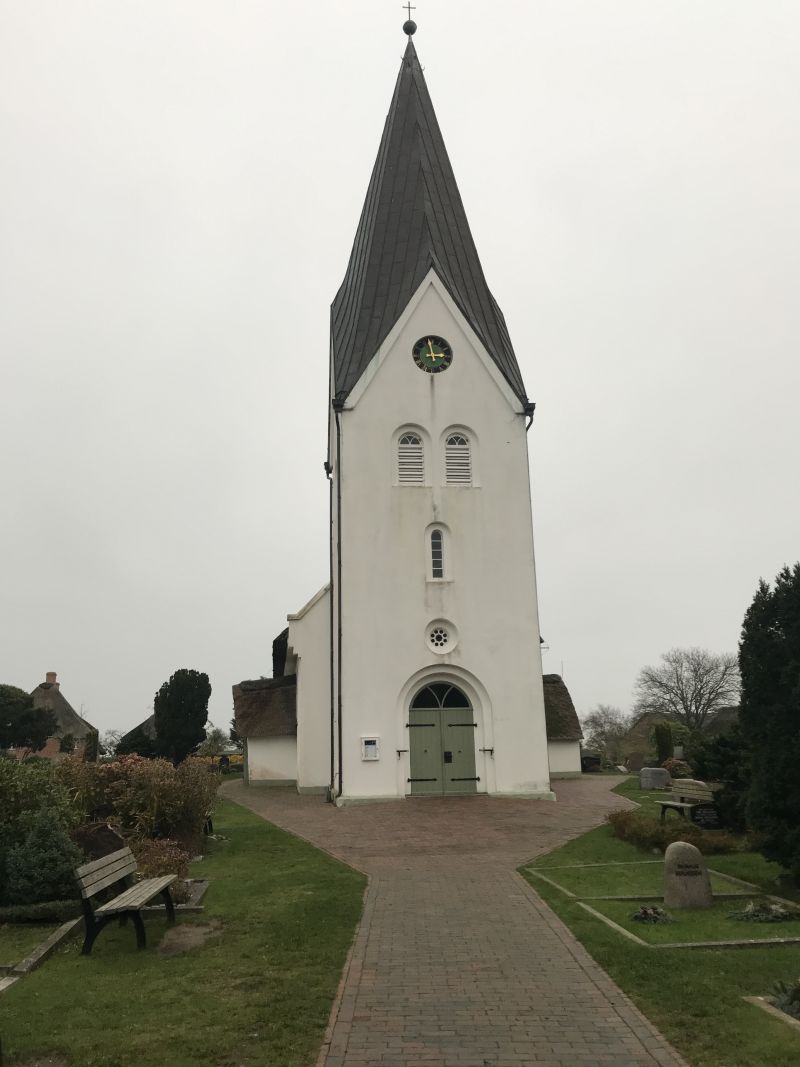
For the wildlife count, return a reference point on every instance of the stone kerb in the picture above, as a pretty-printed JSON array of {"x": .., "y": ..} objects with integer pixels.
[{"x": 686, "y": 880}]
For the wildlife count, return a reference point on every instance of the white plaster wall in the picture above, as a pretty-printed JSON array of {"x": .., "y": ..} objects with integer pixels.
[
  {"x": 387, "y": 601},
  {"x": 565, "y": 757},
  {"x": 309, "y": 642},
  {"x": 272, "y": 759}
]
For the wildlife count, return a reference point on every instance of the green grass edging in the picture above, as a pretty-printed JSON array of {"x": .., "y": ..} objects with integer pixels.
[{"x": 258, "y": 992}]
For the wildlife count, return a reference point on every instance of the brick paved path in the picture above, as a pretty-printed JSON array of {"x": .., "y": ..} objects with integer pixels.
[{"x": 457, "y": 962}]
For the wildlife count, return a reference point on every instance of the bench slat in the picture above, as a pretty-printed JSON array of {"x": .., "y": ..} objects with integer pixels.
[
  {"x": 109, "y": 880},
  {"x": 690, "y": 790},
  {"x": 121, "y": 865},
  {"x": 97, "y": 865},
  {"x": 137, "y": 895},
  {"x": 108, "y": 876}
]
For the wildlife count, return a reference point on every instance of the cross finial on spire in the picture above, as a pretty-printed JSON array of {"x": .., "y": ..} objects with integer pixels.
[
  {"x": 409, "y": 27},
  {"x": 409, "y": 8}
]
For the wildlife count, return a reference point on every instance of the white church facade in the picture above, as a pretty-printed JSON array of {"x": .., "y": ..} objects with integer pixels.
[{"x": 417, "y": 670}]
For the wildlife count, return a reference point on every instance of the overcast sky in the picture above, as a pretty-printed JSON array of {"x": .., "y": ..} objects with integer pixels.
[{"x": 179, "y": 190}]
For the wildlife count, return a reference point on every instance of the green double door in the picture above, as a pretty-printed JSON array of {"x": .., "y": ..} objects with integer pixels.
[{"x": 441, "y": 742}]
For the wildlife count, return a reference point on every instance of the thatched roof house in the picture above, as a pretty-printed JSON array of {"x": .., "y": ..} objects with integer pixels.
[
  {"x": 70, "y": 725},
  {"x": 140, "y": 739},
  {"x": 563, "y": 728},
  {"x": 266, "y": 707},
  {"x": 560, "y": 713}
]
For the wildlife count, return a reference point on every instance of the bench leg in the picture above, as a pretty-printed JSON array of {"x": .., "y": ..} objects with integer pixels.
[
  {"x": 91, "y": 933},
  {"x": 138, "y": 922},
  {"x": 165, "y": 893}
]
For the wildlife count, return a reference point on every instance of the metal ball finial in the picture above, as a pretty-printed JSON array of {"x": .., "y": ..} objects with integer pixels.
[{"x": 410, "y": 27}]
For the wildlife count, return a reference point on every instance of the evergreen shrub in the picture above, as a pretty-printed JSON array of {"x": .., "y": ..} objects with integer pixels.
[
  {"x": 725, "y": 759},
  {"x": 662, "y": 736},
  {"x": 50, "y": 911},
  {"x": 41, "y": 867},
  {"x": 769, "y": 660}
]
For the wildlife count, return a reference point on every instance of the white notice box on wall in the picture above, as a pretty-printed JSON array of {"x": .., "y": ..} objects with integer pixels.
[{"x": 370, "y": 748}]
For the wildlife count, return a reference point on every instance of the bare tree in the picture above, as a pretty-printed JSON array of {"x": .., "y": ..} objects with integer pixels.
[
  {"x": 109, "y": 741},
  {"x": 604, "y": 730},
  {"x": 689, "y": 685},
  {"x": 215, "y": 742}
]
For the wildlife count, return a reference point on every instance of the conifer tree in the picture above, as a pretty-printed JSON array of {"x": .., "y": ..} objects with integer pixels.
[
  {"x": 181, "y": 713},
  {"x": 769, "y": 658}
]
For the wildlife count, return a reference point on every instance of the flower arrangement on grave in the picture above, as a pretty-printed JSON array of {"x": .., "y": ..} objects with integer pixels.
[
  {"x": 651, "y": 913},
  {"x": 786, "y": 997},
  {"x": 765, "y": 911}
]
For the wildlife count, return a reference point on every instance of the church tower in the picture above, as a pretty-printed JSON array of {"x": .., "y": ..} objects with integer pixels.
[{"x": 432, "y": 671}]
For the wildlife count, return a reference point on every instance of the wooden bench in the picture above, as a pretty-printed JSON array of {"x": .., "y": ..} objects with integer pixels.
[
  {"x": 119, "y": 866},
  {"x": 687, "y": 794}
]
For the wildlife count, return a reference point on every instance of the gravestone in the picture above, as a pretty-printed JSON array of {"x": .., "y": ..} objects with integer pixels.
[
  {"x": 686, "y": 880},
  {"x": 654, "y": 778},
  {"x": 706, "y": 816}
]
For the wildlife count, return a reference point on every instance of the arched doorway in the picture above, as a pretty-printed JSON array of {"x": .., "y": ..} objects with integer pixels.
[{"x": 441, "y": 727}]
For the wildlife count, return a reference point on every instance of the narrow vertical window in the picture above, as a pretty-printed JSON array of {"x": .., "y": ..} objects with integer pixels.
[
  {"x": 437, "y": 554},
  {"x": 410, "y": 460},
  {"x": 457, "y": 460}
]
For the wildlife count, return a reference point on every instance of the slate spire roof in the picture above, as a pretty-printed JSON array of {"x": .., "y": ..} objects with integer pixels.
[{"x": 412, "y": 220}]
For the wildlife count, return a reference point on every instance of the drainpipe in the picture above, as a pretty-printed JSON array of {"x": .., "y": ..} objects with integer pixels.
[
  {"x": 338, "y": 406},
  {"x": 328, "y": 473},
  {"x": 530, "y": 407}
]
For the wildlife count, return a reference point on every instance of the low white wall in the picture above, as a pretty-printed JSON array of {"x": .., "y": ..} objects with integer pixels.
[
  {"x": 309, "y": 641},
  {"x": 272, "y": 759},
  {"x": 565, "y": 758}
]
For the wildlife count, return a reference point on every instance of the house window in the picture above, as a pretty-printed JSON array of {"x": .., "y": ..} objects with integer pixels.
[
  {"x": 437, "y": 554},
  {"x": 410, "y": 460},
  {"x": 457, "y": 460}
]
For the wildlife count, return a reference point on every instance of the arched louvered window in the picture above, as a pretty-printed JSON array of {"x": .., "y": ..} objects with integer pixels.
[
  {"x": 457, "y": 460},
  {"x": 437, "y": 554},
  {"x": 410, "y": 460}
]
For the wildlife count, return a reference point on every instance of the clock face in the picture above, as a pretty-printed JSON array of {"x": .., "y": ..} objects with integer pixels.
[{"x": 432, "y": 354}]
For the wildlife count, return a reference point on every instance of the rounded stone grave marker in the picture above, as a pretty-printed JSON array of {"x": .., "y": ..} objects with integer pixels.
[
  {"x": 654, "y": 778},
  {"x": 686, "y": 880}
]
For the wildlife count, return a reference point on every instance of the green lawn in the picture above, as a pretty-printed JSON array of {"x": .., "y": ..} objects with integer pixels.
[
  {"x": 629, "y": 879},
  {"x": 647, "y": 798},
  {"x": 258, "y": 992},
  {"x": 692, "y": 995},
  {"x": 18, "y": 940}
]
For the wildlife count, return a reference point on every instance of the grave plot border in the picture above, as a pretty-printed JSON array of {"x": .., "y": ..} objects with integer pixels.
[
  {"x": 42, "y": 951},
  {"x": 765, "y": 1004},
  {"x": 766, "y": 942}
]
